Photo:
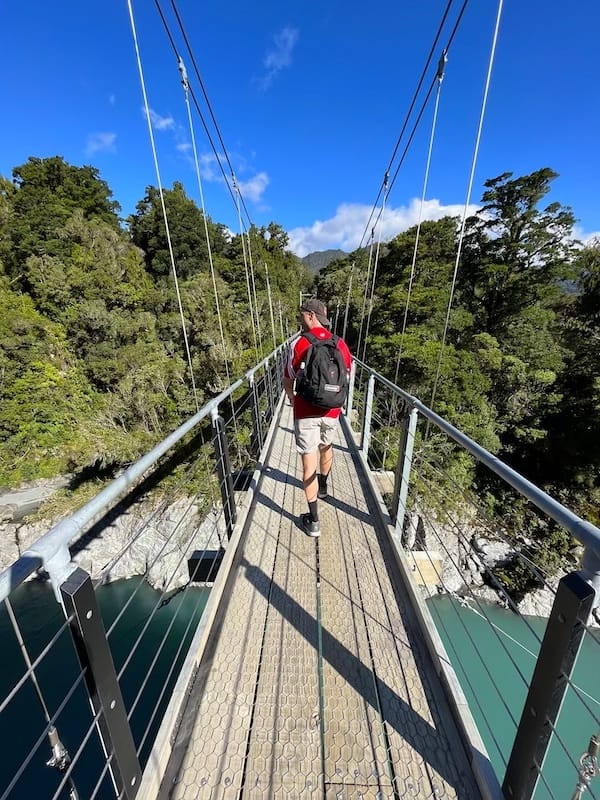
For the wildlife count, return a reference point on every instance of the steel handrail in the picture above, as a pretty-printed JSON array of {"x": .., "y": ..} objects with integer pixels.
[{"x": 582, "y": 530}]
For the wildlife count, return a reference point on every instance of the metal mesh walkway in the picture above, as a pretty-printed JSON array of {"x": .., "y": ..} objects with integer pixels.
[{"x": 316, "y": 681}]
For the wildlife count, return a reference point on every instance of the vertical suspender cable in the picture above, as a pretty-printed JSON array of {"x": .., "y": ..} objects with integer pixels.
[
  {"x": 162, "y": 200},
  {"x": 364, "y": 305},
  {"x": 348, "y": 299},
  {"x": 243, "y": 239},
  {"x": 283, "y": 336},
  {"x": 440, "y": 77},
  {"x": 254, "y": 295},
  {"x": 185, "y": 83},
  {"x": 186, "y": 90},
  {"x": 270, "y": 306},
  {"x": 467, "y": 201},
  {"x": 375, "y": 265}
]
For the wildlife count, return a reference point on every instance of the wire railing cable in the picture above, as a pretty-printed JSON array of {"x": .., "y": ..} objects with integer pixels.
[
  {"x": 43, "y": 736},
  {"x": 30, "y": 669},
  {"x": 167, "y": 678}
]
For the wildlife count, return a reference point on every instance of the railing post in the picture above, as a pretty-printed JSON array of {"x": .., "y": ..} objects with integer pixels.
[
  {"x": 365, "y": 439},
  {"x": 351, "y": 392},
  {"x": 279, "y": 371},
  {"x": 269, "y": 383},
  {"x": 224, "y": 471},
  {"x": 257, "y": 437},
  {"x": 408, "y": 430},
  {"x": 94, "y": 654},
  {"x": 558, "y": 653}
]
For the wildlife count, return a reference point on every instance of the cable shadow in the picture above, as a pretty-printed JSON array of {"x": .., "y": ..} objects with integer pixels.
[
  {"x": 430, "y": 742},
  {"x": 262, "y": 499},
  {"x": 283, "y": 477},
  {"x": 348, "y": 510}
]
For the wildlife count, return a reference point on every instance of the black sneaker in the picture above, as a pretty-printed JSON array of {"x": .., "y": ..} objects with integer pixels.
[
  {"x": 322, "y": 491},
  {"x": 309, "y": 526}
]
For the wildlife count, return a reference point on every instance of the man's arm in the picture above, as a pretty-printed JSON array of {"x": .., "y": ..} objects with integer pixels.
[{"x": 288, "y": 385}]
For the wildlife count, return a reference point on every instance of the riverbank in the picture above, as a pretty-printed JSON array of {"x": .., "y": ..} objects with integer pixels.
[{"x": 148, "y": 536}]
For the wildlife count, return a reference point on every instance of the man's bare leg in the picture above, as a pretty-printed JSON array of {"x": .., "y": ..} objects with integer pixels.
[
  {"x": 325, "y": 459},
  {"x": 309, "y": 480}
]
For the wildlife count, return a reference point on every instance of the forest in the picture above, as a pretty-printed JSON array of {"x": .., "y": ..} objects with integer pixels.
[
  {"x": 93, "y": 366},
  {"x": 93, "y": 362}
]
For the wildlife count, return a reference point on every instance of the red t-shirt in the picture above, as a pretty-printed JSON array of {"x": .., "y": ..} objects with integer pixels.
[{"x": 302, "y": 408}]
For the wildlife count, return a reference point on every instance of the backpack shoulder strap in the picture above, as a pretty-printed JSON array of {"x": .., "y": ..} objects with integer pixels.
[{"x": 310, "y": 337}]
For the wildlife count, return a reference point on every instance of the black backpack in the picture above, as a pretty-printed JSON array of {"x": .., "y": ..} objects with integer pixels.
[{"x": 323, "y": 381}]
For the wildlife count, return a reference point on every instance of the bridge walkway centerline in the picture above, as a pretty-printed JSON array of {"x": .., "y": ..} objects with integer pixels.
[{"x": 316, "y": 680}]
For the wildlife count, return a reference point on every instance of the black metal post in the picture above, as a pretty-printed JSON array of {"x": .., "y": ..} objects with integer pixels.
[
  {"x": 399, "y": 465},
  {"x": 270, "y": 398},
  {"x": 257, "y": 437},
  {"x": 279, "y": 365},
  {"x": 558, "y": 653},
  {"x": 101, "y": 681},
  {"x": 224, "y": 473}
]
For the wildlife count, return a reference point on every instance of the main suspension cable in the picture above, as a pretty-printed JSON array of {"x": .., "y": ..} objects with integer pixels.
[
  {"x": 408, "y": 113},
  {"x": 466, "y": 206},
  {"x": 208, "y": 103}
]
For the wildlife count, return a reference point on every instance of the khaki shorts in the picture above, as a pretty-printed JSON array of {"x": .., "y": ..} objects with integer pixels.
[{"x": 313, "y": 432}]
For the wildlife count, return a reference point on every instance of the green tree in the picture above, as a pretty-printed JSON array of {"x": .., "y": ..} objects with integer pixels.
[
  {"x": 186, "y": 229},
  {"x": 47, "y": 193}
]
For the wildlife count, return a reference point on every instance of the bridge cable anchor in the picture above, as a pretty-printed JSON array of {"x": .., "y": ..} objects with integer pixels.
[{"x": 588, "y": 767}]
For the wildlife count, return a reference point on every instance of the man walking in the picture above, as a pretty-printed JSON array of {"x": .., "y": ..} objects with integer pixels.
[{"x": 314, "y": 426}]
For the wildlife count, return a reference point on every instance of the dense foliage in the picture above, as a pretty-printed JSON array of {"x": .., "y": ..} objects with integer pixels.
[
  {"x": 519, "y": 370},
  {"x": 93, "y": 364}
]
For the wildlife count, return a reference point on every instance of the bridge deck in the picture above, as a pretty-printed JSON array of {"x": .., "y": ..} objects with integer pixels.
[{"x": 316, "y": 681}]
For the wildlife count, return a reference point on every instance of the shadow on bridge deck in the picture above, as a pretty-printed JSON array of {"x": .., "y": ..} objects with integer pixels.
[{"x": 314, "y": 679}]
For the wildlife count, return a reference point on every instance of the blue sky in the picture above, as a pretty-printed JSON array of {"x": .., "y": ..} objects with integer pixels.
[{"x": 310, "y": 98}]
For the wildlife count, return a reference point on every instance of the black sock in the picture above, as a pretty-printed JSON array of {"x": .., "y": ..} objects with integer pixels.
[
  {"x": 314, "y": 514},
  {"x": 322, "y": 481}
]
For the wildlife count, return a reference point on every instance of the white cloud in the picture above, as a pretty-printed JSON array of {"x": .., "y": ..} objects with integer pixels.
[
  {"x": 209, "y": 167},
  {"x": 585, "y": 237},
  {"x": 346, "y": 229},
  {"x": 279, "y": 56},
  {"x": 253, "y": 188},
  {"x": 100, "y": 143},
  {"x": 161, "y": 123}
]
